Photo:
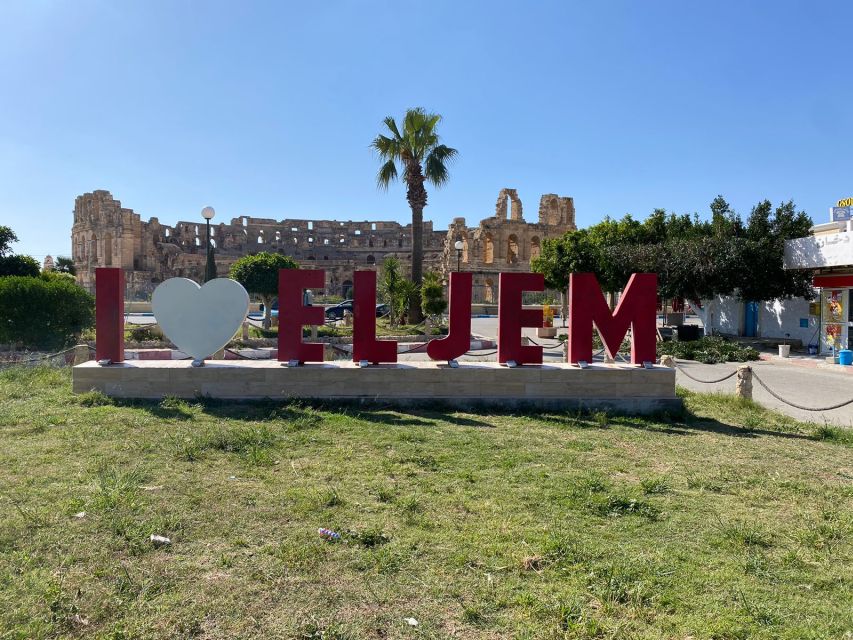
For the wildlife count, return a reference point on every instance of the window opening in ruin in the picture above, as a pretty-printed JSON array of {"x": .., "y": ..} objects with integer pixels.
[
  {"x": 512, "y": 249},
  {"x": 294, "y": 229},
  {"x": 488, "y": 292},
  {"x": 198, "y": 242},
  {"x": 168, "y": 233},
  {"x": 384, "y": 243},
  {"x": 245, "y": 221},
  {"x": 371, "y": 260},
  {"x": 278, "y": 236},
  {"x": 108, "y": 250},
  {"x": 196, "y": 229},
  {"x": 341, "y": 241},
  {"x": 261, "y": 238},
  {"x": 213, "y": 243},
  {"x": 310, "y": 239},
  {"x": 325, "y": 241},
  {"x": 93, "y": 251},
  {"x": 310, "y": 225},
  {"x": 358, "y": 232},
  {"x": 295, "y": 241},
  {"x": 373, "y": 226},
  {"x": 534, "y": 247},
  {"x": 245, "y": 233},
  {"x": 488, "y": 249}
]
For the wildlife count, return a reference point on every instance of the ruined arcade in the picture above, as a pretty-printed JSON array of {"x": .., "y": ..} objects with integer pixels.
[{"x": 106, "y": 234}]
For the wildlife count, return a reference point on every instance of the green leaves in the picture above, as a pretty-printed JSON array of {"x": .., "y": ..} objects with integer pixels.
[
  {"x": 417, "y": 142},
  {"x": 694, "y": 259},
  {"x": 259, "y": 273}
]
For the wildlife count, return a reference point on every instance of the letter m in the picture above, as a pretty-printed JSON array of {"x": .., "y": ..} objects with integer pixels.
[{"x": 637, "y": 309}]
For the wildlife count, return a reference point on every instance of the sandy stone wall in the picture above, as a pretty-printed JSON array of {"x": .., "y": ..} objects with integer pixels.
[{"x": 106, "y": 234}]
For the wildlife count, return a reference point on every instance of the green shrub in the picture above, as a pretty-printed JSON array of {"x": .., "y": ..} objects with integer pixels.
[
  {"x": 43, "y": 313},
  {"x": 19, "y": 266},
  {"x": 708, "y": 350}
]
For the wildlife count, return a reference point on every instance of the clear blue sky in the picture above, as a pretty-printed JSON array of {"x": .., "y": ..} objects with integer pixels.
[{"x": 267, "y": 109}]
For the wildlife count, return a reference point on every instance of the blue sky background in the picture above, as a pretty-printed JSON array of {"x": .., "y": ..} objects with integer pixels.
[{"x": 267, "y": 109}]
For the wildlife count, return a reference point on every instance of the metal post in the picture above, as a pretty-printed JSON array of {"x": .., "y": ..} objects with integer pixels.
[{"x": 207, "y": 254}]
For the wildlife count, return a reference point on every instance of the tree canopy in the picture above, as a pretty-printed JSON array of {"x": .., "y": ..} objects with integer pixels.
[
  {"x": 695, "y": 259},
  {"x": 259, "y": 275}
]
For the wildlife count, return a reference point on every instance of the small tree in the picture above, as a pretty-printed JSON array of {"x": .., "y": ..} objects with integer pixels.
[
  {"x": 395, "y": 290},
  {"x": 432, "y": 295},
  {"x": 7, "y": 237},
  {"x": 259, "y": 275}
]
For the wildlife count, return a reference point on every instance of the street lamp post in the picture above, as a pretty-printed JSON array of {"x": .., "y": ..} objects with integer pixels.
[
  {"x": 458, "y": 246},
  {"x": 207, "y": 213}
]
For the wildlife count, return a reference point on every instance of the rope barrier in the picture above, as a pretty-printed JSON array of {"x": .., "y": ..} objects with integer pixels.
[
  {"x": 726, "y": 377},
  {"x": 795, "y": 405},
  {"x": 474, "y": 354},
  {"x": 545, "y": 346},
  {"x": 40, "y": 358}
]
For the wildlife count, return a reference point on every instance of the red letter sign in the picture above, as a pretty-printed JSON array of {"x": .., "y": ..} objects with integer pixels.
[
  {"x": 292, "y": 315},
  {"x": 458, "y": 339},
  {"x": 365, "y": 346},
  {"x": 109, "y": 314},
  {"x": 511, "y": 317},
  {"x": 636, "y": 309}
]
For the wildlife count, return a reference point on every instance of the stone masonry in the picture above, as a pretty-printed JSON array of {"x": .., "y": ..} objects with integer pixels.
[{"x": 106, "y": 234}]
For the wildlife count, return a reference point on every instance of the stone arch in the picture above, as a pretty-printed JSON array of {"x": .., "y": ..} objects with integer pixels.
[
  {"x": 371, "y": 260},
  {"x": 261, "y": 236},
  {"x": 488, "y": 249},
  {"x": 508, "y": 200},
  {"x": 535, "y": 247},
  {"x": 512, "y": 249},
  {"x": 278, "y": 236},
  {"x": 93, "y": 248}
]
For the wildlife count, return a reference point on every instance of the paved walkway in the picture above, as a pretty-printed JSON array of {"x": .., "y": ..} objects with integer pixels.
[{"x": 798, "y": 382}]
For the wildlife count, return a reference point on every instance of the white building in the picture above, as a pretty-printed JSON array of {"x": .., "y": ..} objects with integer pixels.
[{"x": 829, "y": 252}]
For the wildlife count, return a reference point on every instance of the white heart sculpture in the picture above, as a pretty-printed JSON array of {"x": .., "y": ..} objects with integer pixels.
[{"x": 200, "y": 320}]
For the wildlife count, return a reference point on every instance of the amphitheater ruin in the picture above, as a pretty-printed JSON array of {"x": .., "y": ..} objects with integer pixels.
[{"x": 106, "y": 234}]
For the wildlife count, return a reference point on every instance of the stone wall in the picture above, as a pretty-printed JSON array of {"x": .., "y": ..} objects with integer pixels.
[{"x": 106, "y": 234}]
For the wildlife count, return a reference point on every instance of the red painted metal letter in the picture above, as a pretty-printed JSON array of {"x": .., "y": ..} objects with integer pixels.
[
  {"x": 109, "y": 314},
  {"x": 458, "y": 339},
  {"x": 293, "y": 315},
  {"x": 636, "y": 309},
  {"x": 365, "y": 346},
  {"x": 512, "y": 317}
]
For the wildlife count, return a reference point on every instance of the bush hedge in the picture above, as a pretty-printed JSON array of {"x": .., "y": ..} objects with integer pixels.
[
  {"x": 708, "y": 350},
  {"x": 43, "y": 313}
]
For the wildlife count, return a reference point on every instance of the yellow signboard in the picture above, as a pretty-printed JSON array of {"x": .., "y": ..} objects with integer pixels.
[{"x": 846, "y": 202}]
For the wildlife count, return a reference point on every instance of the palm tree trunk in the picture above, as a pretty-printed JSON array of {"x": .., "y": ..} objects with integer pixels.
[
  {"x": 417, "y": 197},
  {"x": 417, "y": 264}
]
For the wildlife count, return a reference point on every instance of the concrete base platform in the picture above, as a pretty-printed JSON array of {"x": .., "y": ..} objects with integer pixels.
[{"x": 618, "y": 388}]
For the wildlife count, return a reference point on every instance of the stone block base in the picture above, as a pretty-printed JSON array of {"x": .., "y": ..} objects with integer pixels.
[{"x": 617, "y": 388}]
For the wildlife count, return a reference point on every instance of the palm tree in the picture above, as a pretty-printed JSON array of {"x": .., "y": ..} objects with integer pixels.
[{"x": 422, "y": 159}]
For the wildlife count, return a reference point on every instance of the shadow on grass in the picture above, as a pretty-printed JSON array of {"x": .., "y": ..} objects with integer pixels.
[{"x": 684, "y": 423}]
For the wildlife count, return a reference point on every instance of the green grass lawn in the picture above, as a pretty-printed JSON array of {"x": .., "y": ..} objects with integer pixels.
[{"x": 726, "y": 522}]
